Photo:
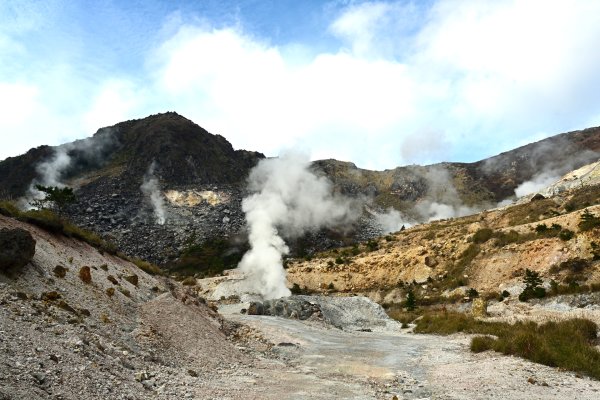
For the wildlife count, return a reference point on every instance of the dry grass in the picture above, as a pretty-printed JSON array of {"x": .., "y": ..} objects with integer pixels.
[{"x": 566, "y": 344}]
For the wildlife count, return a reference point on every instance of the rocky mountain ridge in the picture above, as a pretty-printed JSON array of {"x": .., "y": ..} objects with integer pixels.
[{"x": 201, "y": 181}]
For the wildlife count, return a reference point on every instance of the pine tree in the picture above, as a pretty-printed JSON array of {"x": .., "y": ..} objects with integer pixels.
[{"x": 411, "y": 301}]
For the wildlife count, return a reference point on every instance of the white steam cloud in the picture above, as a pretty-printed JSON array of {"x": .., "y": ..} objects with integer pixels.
[
  {"x": 287, "y": 200},
  {"x": 151, "y": 190},
  {"x": 443, "y": 200},
  {"x": 537, "y": 183},
  {"x": 51, "y": 172},
  {"x": 391, "y": 221}
]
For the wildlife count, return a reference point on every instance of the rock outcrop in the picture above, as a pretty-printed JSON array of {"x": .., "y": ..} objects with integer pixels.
[{"x": 17, "y": 248}]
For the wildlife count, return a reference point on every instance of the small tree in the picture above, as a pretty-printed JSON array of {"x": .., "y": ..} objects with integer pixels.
[
  {"x": 60, "y": 197},
  {"x": 533, "y": 286},
  {"x": 588, "y": 221},
  {"x": 472, "y": 293},
  {"x": 411, "y": 301}
]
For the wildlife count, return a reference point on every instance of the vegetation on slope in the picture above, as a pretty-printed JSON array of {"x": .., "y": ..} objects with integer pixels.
[{"x": 565, "y": 344}]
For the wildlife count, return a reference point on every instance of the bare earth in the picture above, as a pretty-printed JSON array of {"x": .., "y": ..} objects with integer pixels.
[{"x": 159, "y": 340}]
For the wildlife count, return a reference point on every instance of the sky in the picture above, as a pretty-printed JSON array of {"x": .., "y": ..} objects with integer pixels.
[{"x": 378, "y": 83}]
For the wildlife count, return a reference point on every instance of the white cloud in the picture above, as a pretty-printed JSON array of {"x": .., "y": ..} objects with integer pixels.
[{"x": 458, "y": 81}]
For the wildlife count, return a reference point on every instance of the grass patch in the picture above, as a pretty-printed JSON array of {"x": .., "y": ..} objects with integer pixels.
[
  {"x": 531, "y": 212},
  {"x": 565, "y": 344},
  {"x": 51, "y": 222},
  {"x": 582, "y": 198},
  {"x": 209, "y": 258}
]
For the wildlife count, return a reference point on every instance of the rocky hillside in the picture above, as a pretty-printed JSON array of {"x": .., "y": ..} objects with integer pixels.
[
  {"x": 196, "y": 180},
  {"x": 79, "y": 324},
  {"x": 558, "y": 237}
]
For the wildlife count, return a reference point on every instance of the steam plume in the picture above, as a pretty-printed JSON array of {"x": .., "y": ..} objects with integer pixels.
[
  {"x": 391, "y": 221},
  {"x": 443, "y": 200},
  {"x": 287, "y": 200},
  {"x": 67, "y": 157},
  {"x": 151, "y": 190}
]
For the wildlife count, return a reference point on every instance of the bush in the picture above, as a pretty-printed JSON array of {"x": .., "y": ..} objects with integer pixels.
[
  {"x": 133, "y": 279},
  {"x": 60, "y": 271},
  {"x": 482, "y": 343},
  {"x": 595, "y": 251},
  {"x": 189, "y": 281},
  {"x": 411, "y": 301},
  {"x": 372, "y": 245},
  {"x": 483, "y": 235},
  {"x": 588, "y": 221},
  {"x": 533, "y": 287},
  {"x": 566, "y": 344},
  {"x": 110, "y": 292},
  {"x": 147, "y": 267},
  {"x": 566, "y": 235}
]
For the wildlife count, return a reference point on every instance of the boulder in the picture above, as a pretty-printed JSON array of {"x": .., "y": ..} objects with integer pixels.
[{"x": 17, "y": 248}]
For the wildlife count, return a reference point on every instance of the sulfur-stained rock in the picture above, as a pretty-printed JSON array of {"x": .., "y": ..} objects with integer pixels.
[{"x": 479, "y": 308}]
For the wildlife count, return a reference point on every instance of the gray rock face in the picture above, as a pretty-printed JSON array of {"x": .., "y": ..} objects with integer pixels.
[
  {"x": 288, "y": 307},
  {"x": 17, "y": 248}
]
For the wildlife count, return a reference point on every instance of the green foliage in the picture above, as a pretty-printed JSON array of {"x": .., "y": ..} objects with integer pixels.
[
  {"x": 595, "y": 251},
  {"x": 339, "y": 260},
  {"x": 372, "y": 245},
  {"x": 331, "y": 286},
  {"x": 472, "y": 293},
  {"x": 533, "y": 288},
  {"x": 588, "y": 221},
  {"x": 566, "y": 344},
  {"x": 482, "y": 343},
  {"x": 146, "y": 266},
  {"x": 566, "y": 235},
  {"x": 209, "y": 258},
  {"x": 189, "y": 281},
  {"x": 133, "y": 279},
  {"x": 411, "y": 301},
  {"x": 59, "y": 197},
  {"x": 296, "y": 289},
  {"x": 483, "y": 235}
]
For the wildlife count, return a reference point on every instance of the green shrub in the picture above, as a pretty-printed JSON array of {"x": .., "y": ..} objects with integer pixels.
[
  {"x": 209, "y": 258},
  {"x": 147, "y": 267},
  {"x": 482, "y": 343},
  {"x": 533, "y": 287},
  {"x": 133, "y": 279},
  {"x": 588, "y": 221},
  {"x": 60, "y": 271},
  {"x": 483, "y": 235},
  {"x": 189, "y": 281},
  {"x": 566, "y": 235},
  {"x": 595, "y": 251},
  {"x": 372, "y": 245},
  {"x": 566, "y": 344},
  {"x": 411, "y": 301}
]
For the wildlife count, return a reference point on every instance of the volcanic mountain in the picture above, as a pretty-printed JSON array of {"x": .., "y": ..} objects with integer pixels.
[{"x": 199, "y": 181}]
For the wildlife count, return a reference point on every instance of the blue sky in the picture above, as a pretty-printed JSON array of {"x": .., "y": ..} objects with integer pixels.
[{"x": 379, "y": 83}]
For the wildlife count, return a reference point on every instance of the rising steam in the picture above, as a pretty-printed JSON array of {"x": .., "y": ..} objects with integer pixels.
[
  {"x": 391, "y": 221},
  {"x": 287, "y": 201},
  {"x": 152, "y": 192},
  {"x": 67, "y": 157}
]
